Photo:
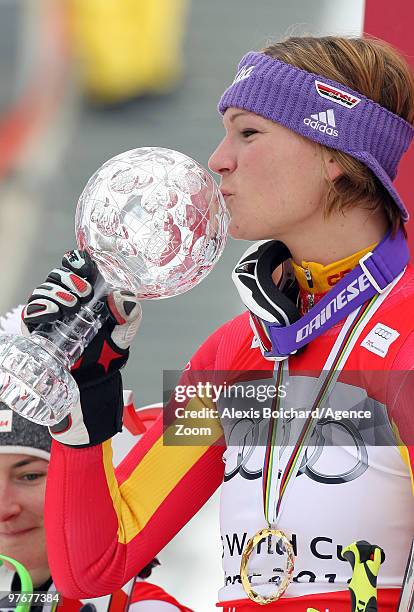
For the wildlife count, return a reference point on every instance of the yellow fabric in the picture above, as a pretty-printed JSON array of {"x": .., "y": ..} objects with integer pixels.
[
  {"x": 325, "y": 277},
  {"x": 403, "y": 452},
  {"x": 128, "y": 47},
  {"x": 157, "y": 474}
]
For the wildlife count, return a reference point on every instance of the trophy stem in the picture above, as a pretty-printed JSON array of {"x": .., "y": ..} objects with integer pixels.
[
  {"x": 67, "y": 339},
  {"x": 35, "y": 378}
]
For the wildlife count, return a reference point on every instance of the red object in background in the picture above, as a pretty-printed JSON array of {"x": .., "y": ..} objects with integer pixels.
[
  {"x": 393, "y": 22},
  {"x": 41, "y": 97}
]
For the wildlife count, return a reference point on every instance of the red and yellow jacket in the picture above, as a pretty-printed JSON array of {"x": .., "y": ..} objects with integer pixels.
[{"x": 103, "y": 525}]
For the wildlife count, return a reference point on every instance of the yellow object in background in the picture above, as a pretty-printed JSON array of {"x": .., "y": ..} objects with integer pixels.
[
  {"x": 128, "y": 48},
  {"x": 365, "y": 560}
]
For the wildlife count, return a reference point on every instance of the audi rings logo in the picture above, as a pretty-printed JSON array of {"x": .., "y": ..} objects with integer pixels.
[
  {"x": 383, "y": 333},
  {"x": 246, "y": 448}
]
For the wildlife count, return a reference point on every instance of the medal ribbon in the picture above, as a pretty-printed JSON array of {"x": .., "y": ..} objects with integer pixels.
[{"x": 275, "y": 488}]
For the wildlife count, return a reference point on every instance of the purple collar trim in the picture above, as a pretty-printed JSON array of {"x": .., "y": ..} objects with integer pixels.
[{"x": 371, "y": 276}]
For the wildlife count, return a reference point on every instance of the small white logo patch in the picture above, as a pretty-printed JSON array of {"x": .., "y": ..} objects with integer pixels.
[
  {"x": 379, "y": 339},
  {"x": 243, "y": 74},
  {"x": 6, "y": 420},
  {"x": 334, "y": 94}
]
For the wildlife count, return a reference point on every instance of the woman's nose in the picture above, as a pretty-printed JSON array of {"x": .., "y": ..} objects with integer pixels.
[
  {"x": 222, "y": 159},
  {"x": 9, "y": 505}
]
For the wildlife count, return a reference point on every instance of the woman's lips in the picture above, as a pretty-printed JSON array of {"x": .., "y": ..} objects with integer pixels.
[
  {"x": 13, "y": 534},
  {"x": 225, "y": 192}
]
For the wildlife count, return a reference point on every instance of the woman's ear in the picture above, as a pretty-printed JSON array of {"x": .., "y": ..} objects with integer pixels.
[{"x": 333, "y": 169}]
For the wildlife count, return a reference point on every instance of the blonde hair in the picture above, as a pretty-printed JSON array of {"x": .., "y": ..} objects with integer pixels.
[{"x": 373, "y": 68}]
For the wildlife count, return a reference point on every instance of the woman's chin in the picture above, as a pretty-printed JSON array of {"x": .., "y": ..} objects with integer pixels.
[{"x": 238, "y": 232}]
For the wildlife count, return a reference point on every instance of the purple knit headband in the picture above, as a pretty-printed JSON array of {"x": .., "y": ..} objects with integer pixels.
[{"x": 324, "y": 111}]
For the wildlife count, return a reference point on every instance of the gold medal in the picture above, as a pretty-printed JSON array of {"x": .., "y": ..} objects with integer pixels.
[{"x": 251, "y": 544}]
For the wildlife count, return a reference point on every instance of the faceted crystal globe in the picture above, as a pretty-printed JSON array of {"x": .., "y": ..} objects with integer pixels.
[
  {"x": 155, "y": 223},
  {"x": 153, "y": 220}
]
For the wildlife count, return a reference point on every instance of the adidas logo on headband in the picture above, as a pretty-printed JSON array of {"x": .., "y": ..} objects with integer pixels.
[{"x": 323, "y": 122}]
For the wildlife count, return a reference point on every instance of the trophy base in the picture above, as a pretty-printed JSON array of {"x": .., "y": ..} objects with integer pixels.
[{"x": 33, "y": 382}]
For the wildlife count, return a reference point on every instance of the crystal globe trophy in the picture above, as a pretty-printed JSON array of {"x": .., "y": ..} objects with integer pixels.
[{"x": 155, "y": 223}]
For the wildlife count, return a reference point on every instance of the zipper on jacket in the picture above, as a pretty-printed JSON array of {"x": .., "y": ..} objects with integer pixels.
[{"x": 310, "y": 296}]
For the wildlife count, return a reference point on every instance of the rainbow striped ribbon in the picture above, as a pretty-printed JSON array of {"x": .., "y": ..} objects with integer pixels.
[{"x": 275, "y": 488}]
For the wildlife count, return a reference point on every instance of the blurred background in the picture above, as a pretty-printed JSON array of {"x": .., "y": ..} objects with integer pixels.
[{"x": 83, "y": 80}]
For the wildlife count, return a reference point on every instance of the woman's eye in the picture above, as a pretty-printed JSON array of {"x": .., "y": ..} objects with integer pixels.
[
  {"x": 247, "y": 133},
  {"x": 31, "y": 477}
]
